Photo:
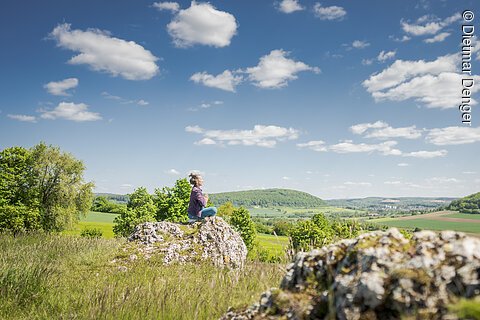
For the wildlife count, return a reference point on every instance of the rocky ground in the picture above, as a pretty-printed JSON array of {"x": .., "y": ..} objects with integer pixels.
[
  {"x": 379, "y": 275},
  {"x": 210, "y": 239}
]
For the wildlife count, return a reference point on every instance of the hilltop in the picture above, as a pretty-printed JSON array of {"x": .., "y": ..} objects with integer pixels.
[
  {"x": 468, "y": 204},
  {"x": 268, "y": 198}
]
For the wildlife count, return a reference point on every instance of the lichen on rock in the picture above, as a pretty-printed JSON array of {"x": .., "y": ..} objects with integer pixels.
[
  {"x": 378, "y": 275},
  {"x": 209, "y": 239}
]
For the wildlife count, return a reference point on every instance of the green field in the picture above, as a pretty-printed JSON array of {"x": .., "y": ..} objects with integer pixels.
[
  {"x": 99, "y": 220},
  {"x": 301, "y": 213},
  {"x": 274, "y": 244},
  {"x": 430, "y": 224},
  {"x": 463, "y": 216}
]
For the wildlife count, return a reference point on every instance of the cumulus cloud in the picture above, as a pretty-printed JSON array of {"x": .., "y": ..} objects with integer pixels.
[
  {"x": 70, "y": 111},
  {"x": 22, "y": 117},
  {"x": 289, "y": 6},
  {"x": 276, "y": 69},
  {"x": 386, "y": 55},
  {"x": 226, "y": 80},
  {"x": 436, "y": 84},
  {"x": 367, "y": 62},
  {"x": 262, "y": 136},
  {"x": 102, "y": 52},
  {"x": 382, "y": 130},
  {"x": 329, "y": 13},
  {"x": 317, "y": 145},
  {"x": 358, "y": 184},
  {"x": 139, "y": 102},
  {"x": 169, "y": 6},
  {"x": 453, "y": 136},
  {"x": 347, "y": 146},
  {"x": 428, "y": 24},
  {"x": 202, "y": 24},
  {"x": 59, "y": 88},
  {"x": 426, "y": 154},
  {"x": 438, "y": 38}
]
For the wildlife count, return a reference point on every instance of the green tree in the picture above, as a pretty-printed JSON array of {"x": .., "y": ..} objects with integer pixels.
[
  {"x": 62, "y": 193},
  {"x": 242, "y": 222},
  {"x": 41, "y": 188},
  {"x": 140, "y": 209},
  {"x": 306, "y": 235},
  {"x": 172, "y": 203},
  {"x": 226, "y": 210}
]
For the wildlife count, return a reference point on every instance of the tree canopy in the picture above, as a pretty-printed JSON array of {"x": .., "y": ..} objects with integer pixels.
[{"x": 41, "y": 188}]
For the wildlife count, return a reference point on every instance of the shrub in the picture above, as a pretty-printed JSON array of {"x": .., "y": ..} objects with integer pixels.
[
  {"x": 91, "y": 233},
  {"x": 242, "y": 222}
]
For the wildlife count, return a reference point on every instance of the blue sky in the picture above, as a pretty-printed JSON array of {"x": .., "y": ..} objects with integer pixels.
[{"x": 335, "y": 98}]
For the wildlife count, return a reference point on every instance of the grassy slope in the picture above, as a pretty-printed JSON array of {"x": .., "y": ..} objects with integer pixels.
[{"x": 40, "y": 277}]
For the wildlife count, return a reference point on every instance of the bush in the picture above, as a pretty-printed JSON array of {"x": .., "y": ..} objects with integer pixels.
[
  {"x": 91, "y": 233},
  {"x": 140, "y": 208},
  {"x": 242, "y": 222},
  {"x": 172, "y": 203},
  {"x": 19, "y": 218}
]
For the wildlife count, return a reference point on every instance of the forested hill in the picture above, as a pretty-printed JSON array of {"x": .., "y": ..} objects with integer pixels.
[
  {"x": 468, "y": 204},
  {"x": 268, "y": 198}
]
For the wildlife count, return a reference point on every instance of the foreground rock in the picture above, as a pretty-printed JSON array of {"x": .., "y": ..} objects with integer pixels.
[
  {"x": 211, "y": 239},
  {"x": 379, "y": 275}
]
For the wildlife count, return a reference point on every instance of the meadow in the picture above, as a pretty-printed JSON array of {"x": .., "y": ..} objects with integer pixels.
[
  {"x": 57, "y": 276},
  {"x": 437, "y": 221}
]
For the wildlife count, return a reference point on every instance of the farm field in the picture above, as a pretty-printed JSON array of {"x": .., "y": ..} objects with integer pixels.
[
  {"x": 444, "y": 220},
  {"x": 298, "y": 213}
]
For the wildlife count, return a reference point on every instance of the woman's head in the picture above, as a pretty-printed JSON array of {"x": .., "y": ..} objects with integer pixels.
[{"x": 196, "y": 179}]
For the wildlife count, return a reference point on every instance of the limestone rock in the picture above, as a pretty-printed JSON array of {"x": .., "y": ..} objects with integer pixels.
[
  {"x": 210, "y": 239},
  {"x": 378, "y": 275}
]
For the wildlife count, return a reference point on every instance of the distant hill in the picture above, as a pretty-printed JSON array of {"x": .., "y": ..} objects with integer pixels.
[
  {"x": 268, "y": 198},
  {"x": 468, "y": 204},
  {"x": 398, "y": 204},
  {"x": 118, "y": 198}
]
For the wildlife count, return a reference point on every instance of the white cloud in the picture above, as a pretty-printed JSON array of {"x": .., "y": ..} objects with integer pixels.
[
  {"x": 453, "y": 136},
  {"x": 105, "y": 53},
  {"x": 443, "y": 180},
  {"x": 469, "y": 172},
  {"x": 436, "y": 83},
  {"x": 172, "y": 172},
  {"x": 262, "y": 136},
  {"x": 384, "y": 55},
  {"x": 313, "y": 145},
  {"x": 402, "y": 39},
  {"x": 140, "y": 102},
  {"x": 358, "y": 184},
  {"x": 428, "y": 24},
  {"x": 396, "y": 182},
  {"x": 126, "y": 186},
  {"x": 438, "y": 38},
  {"x": 286, "y": 178},
  {"x": 357, "y": 44},
  {"x": 22, "y": 117},
  {"x": 382, "y": 130},
  {"x": 226, "y": 80},
  {"x": 202, "y": 24},
  {"x": 59, "y": 88},
  {"x": 170, "y": 6},
  {"x": 362, "y": 127},
  {"x": 289, "y": 6},
  {"x": 347, "y": 146},
  {"x": 70, "y": 111},
  {"x": 403, "y": 164},
  {"x": 275, "y": 70},
  {"x": 426, "y": 154},
  {"x": 329, "y": 13},
  {"x": 367, "y": 62}
]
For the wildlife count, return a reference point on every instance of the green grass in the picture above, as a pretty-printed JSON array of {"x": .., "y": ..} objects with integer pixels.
[
  {"x": 66, "y": 277},
  {"x": 275, "y": 244},
  {"x": 431, "y": 224},
  {"x": 99, "y": 220},
  {"x": 463, "y": 216}
]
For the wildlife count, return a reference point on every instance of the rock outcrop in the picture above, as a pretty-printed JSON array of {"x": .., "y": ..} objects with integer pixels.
[
  {"x": 379, "y": 275},
  {"x": 210, "y": 239}
]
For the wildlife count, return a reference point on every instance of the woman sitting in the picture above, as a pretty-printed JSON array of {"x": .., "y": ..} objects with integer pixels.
[{"x": 198, "y": 201}]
